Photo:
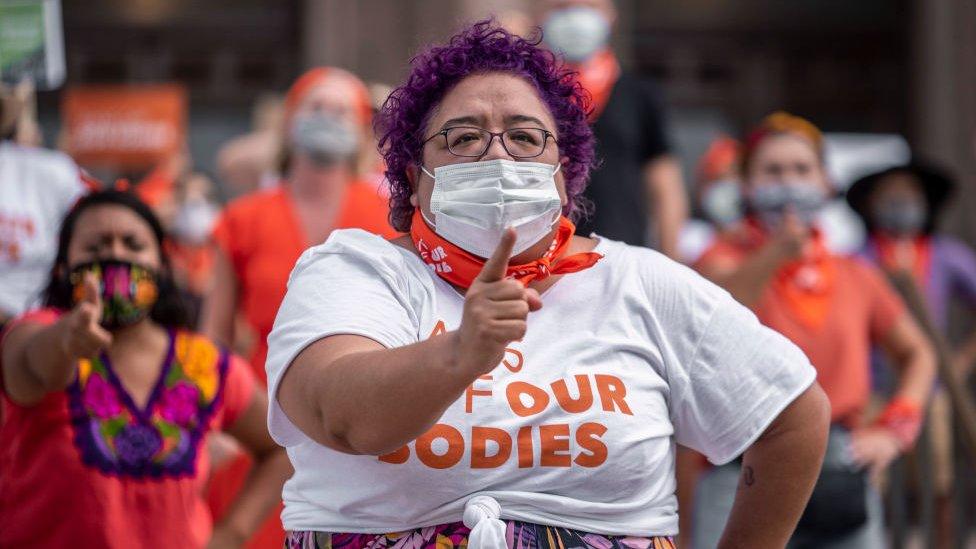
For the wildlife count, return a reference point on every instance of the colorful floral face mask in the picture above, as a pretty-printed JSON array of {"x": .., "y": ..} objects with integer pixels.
[{"x": 128, "y": 290}]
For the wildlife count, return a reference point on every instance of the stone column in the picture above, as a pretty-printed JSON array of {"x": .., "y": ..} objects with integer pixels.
[{"x": 944, "y": 97}]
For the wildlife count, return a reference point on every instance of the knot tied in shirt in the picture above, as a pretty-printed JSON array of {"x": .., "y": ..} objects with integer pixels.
[{"x": 481, "y": 515}]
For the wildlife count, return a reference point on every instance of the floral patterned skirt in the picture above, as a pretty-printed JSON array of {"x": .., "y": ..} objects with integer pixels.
[{"x": 521, "y": 535}]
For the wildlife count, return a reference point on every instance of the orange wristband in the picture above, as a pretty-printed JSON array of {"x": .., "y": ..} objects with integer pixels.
[{"x": 903, "y": 418}]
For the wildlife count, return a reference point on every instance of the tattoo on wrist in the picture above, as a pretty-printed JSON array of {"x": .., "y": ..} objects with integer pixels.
[{"x": 748, "y": 476}]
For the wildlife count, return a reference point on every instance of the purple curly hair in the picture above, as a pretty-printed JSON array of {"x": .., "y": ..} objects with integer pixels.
[{"x": 480, "y": 48}]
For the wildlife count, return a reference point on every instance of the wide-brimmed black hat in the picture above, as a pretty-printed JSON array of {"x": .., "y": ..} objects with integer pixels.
[{"x": 936, "y": 183}]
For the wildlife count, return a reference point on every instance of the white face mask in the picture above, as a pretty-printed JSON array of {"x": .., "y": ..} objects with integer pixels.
[
  {"x": 194, "y": 221},
  {"x": 474, "y": 202},
  {"x": 722, "y": 202},
  {"x": 577, "y": 32}
]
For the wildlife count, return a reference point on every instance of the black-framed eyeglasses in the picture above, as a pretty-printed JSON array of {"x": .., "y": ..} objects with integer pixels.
[{"x": 473, "y": 142}]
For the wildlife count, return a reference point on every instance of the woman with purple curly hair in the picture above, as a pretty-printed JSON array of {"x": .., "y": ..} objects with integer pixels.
[{"x": 493, "y": 379}]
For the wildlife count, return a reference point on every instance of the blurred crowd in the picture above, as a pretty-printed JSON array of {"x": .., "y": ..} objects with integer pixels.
[{"x": 752, "y": 218}]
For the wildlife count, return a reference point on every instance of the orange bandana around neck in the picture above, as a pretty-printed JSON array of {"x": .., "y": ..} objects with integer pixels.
[
  {"x": 461, "y": 268},
  {"x": 892, "y": 256},
  {"x": 597, "y": 75},
  {"x": 806, "y": 285}
]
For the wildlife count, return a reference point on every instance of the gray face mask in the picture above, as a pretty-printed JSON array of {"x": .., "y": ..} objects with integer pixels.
[
  {"x": 900, "y": 217},
  {"x": 770, "y": 202},
  {"x": 324, "y": 137}
]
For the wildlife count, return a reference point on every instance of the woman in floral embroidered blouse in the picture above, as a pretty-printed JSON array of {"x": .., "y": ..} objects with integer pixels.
[{"x": 107, "y": 400}]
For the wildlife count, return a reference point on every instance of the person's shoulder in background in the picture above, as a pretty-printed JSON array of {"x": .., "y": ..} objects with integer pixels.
[
  {"x": 953, "y": 247},
  {"x": 245, "y": 210},
  {"x": 253, "y": 202},
  {"x": 366, "y": 208},
  {"x": 727, "y": 250},
  {"x": 34, "y": 164},
  {"x": 960, "y": 258},
  {"x": 648, "y": 100},
  {"x": 243, "y": 225}
]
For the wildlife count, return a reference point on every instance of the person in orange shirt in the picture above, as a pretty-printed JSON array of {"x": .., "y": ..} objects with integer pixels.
[
  {"x": 834, "y": 308},
  {"x": 260, "y": 236}
]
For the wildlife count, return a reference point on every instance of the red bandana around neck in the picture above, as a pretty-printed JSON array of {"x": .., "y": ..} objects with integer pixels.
[
  {"x": 460, "y": 268},
  {"x": 806, "y": 285},
  {"x": 914, "y": 255},
  {"x": 597, "y": 75}
]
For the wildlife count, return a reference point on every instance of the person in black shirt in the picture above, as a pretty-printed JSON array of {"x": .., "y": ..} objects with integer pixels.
[{"x": 637, "y": 191}]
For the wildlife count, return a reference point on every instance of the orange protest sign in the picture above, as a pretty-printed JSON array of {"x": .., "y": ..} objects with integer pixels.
[{"x": 132, "y": 126}]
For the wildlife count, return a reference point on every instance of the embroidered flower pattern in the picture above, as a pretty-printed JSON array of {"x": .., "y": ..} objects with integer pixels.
[
  {"x": 101, "y": 398},
  {"x": 197, "y": 363},
  {"x": 117, "y": 437},
  {"x": 135, "y": 444},
  {"x": 84, "y": 370},
  {"x": 180, "y": 403}
]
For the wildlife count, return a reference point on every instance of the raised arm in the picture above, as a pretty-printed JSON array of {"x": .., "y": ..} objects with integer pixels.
[
  {"x": 353, "y": 395},
  {"x": 39, "y": 359},
  {"x": 748, "y": 280}
]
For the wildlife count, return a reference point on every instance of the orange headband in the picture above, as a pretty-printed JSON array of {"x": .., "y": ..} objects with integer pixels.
[
  {"x": 777, "y": 123},
  {"x": 722, "y": 154},
  {"x": 323, "y": 75}
]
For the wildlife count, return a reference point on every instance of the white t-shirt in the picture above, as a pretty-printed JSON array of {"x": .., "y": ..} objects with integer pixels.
[
  {"x": 576, "y": 428},
  {"x": 37, "y": 188}
]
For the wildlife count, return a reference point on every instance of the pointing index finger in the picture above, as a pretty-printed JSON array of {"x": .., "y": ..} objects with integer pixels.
[
  {"x": 497, "y": 265},
  {"x": 92, "y": 295}
]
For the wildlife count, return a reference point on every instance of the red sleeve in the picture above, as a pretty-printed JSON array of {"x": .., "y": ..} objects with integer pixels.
[
  {"x": 44, "y": 317},
  {"x": 239, "y": 387},
  {"x": 886, "y": 306}
]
